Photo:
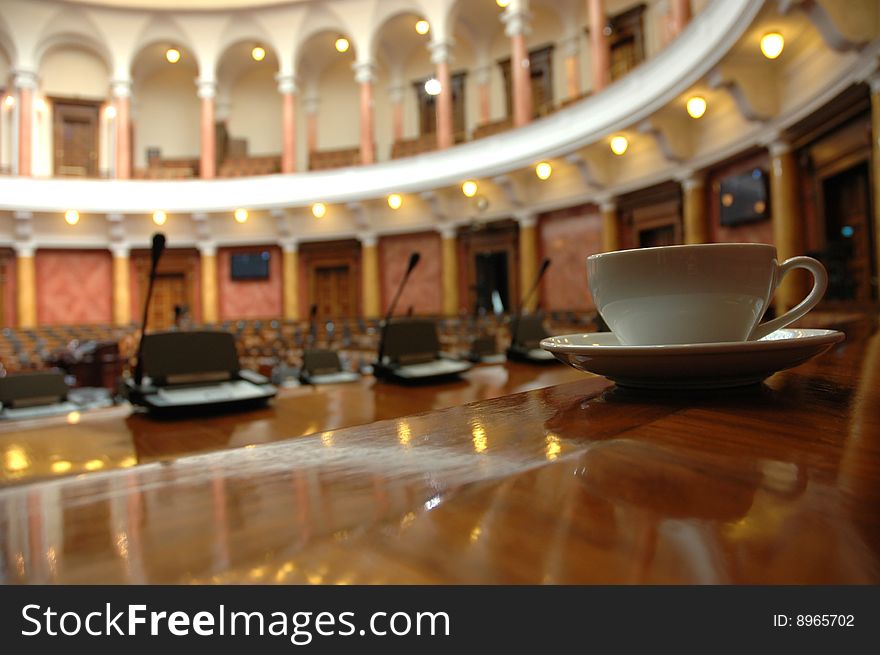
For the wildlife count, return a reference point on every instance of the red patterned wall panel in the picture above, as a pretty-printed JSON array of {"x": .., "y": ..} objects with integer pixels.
[
  {"x": 74, "y": 287},
  {"x": 425, "y": 287},
  {"x": 568, "y": 237},
  {"x": 249, "y": 298}
]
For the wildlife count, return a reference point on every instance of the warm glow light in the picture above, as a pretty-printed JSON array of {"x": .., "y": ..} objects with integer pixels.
[
  {"x": 423, "y": 26},
  {"x": 172, "y": 55},
  {"x": 9, "y": 101},
  {"x": 433, "y": 87},
  {"x": 93, "y": 465},
  {"x": 61, "y": 466},
  {"x": 319, "y": 209},
  {"x": 502, "y": 3},
  {"x": 469, "y": 188},
  {"x": 17, "y": 460},
  {"x": 41, "y": 105},
  {"x": 240, "y": 215},
  {"x": 159, "y": 217},
  {"x": 128, "y": 462},
  {"x": 696, "y": 106},
  {"x": 110, "y": 112},
  {"x": 395, "y": 201},
  {"x": 342, "y": 44},
  {"x": 727, "y": 199},
  {"x": 71, "y": 216},
  {"x": 553, "y": 447},
  {"x": 481, "y": 443},
  {"x": 258, "y": 53},
  {"x": 543, "y": 170},
  {"x": 404, "y": 433},
  {"x": 772, "y": 44},
  {"x": 619, "y": 144},
  {"x": 73, "y": 417}
]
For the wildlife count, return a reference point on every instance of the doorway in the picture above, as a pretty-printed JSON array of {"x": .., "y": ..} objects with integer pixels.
[
  {"x": 491, "y": 287},
  {"x": 75, "y": 138},
  {"x": 848, "y": 253},
  {"x": 169, "y": 292},
  {"x": 333, "y": 291}
]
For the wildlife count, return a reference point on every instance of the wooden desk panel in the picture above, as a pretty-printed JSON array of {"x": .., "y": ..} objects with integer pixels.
[
  {"x": 117, "y": 438},
  {"x": 579, "y": 483}
]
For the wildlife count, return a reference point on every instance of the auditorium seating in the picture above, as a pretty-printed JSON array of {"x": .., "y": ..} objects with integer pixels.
[
  {"x": 263, "y": 344},
  {"x": 339, "y": 158}
]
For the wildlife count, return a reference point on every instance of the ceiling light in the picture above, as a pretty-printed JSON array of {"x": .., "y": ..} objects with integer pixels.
[
  {"x": 9, "y": 101},
  {"x": 41, "y": 105},
  {"x": 93, "y": 465},
  {"x": 502, "y": 3},
  {"x": 469, "y": 188},
  {"x": 110, "y": 112},
  {"x": 240, "y": 215},
  {"x": 543, "y": 170},
  {"x": 319, "y": 209},
  {"x": 423, "y": 26},
  {"x": 258, "y": 53},
  {"x": 159, "y": 217},
  {"x": 342, "y": 44},
  {"x": 433, "y": 87},
  {"x": 71, "y": 216},
  {"x": 172, "y": 55},
  {"x": 395, "y": 201},
  {"x": 619, "y": 144},
  {"x": 772, "y": 44},
  {"x": 696, "y": 106}
]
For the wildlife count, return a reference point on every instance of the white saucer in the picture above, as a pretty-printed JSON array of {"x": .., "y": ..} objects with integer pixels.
[{"x": 690, "y": 366}]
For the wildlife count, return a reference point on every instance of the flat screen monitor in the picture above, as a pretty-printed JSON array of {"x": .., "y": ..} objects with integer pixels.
[
  {"x": 250, "y": 266},
  {"x": 744, "y": 198}
]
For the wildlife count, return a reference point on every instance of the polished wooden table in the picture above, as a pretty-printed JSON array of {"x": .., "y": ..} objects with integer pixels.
[{"x": 582, "y": 482}]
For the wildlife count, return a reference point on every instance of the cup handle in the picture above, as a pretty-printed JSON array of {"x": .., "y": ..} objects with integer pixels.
[{"x": 820, "y": 283}]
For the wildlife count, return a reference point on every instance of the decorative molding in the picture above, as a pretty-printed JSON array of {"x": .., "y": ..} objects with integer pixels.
[
  {"x": 286, "y": 83},
  {"x": 360, "y": 215},
  {"x": 441, "y": 51},
  {"x": 24, "y": 79},
  {"x": 368, "y": 239},
  {"x": 207, "y": 88},
  {"x": 364, "y": 72},
  {"x": 509, "y": 187},
  {"x": 432, "y": 198}
]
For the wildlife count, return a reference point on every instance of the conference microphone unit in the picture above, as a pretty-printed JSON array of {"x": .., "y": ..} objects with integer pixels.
[
  {"x": 158, "y": 247},
  {"x": 527, "y": 331},
  {"x": 380, "y": 370},
  {"x": 412, "y": 347},
  {"x": 321, "y": 365},
  {"x": 190, "y": 372}
]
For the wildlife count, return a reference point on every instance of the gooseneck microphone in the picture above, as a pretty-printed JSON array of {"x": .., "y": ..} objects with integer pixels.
[
  {"x": 514, "y": 324},
  {"x": 156, "y": 254},
  {"x": 413, "y": 261}
]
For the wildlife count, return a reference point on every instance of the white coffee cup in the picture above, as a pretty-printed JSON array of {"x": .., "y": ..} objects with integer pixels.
[{"x": 695, "y": 294}]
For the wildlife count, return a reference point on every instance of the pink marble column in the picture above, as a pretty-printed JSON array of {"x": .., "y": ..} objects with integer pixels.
[
  {"x": 25, "y": 82},
  {"x": 122, "y": 125},
  {"x": 440, "y": 55},
  {"x": 365, "y": 74},
  {"x": 516, "y": 27},
  {"x": 679, "y": 16},
  {"x": 600, "y": 52},
  {"x": 208, "y": 163},
  {"x": 287, "y": 88}
]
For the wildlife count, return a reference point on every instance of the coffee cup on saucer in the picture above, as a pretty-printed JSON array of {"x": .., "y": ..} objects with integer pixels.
[{"x": 693, "y": 294}]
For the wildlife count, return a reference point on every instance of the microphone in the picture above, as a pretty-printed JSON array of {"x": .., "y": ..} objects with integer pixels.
[
  {"x": 156, "y": 251},
  {"x": 313, "y": 325},
  {"x": 514, "y": 324},
  {"x": 413, "y": 261}
]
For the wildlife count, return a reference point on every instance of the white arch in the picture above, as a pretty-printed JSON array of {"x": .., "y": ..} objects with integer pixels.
[
  {"x": 70, "y": 27},
  {"x": 162, "y": 28}
]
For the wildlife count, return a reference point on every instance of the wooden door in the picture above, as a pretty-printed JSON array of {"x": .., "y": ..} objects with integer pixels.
[
  {"x": 498, "y": 241},
  {"x": 76, "y": 138},
  {"x": 849, "y": 239},
  {"x": 333, "y": 291},
  {"x": 169, "y": 291}
]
